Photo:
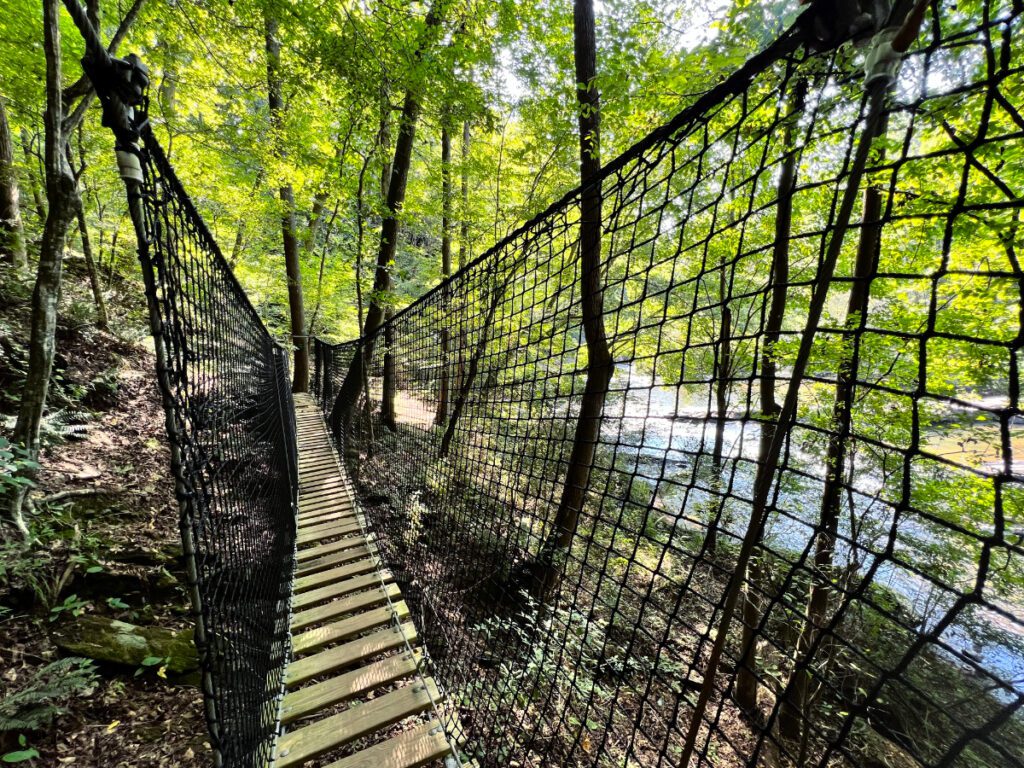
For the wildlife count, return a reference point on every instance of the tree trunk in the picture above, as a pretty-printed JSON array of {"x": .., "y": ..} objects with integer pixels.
[
  {"x": 753, "y": 586},
  {"x": 793, "y": 713},
  {"x": 12, "y": 233},
  {"x": 599, "y": 361},
  {"x": 723, "y": 367},
  {"x": 497, "y": 292},
  {"x": 292, "y": 267},
  {"x": 465, "y": 254},
  {"x": 60, "y": 193},
  {"x": 352, "y": 385},
  {"x": 446, "y": 270},
  {"x": 30, "y": 161},
  {"x": 390, "y": 382},
  {"x": 102, "y": 321}
]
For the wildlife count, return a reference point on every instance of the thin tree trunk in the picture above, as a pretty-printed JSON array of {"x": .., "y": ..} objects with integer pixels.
[
  {"x": 60, "y": 192},
  {"x": 723, "y": 366},
  {"x": 446, "y": 270},
  {"x": 496, "y": 294},
  {"x": 390, "y": 383},
  {"x": 33, "y": 181},
  {"x": 112, "y": 266},
  {"x": 292, "y": 267},
  {"x": 746, "y": 675},
  {"x": 236, "y": 246},
  {"x": 465, "y": 253},
  {"x": 102, "y": 321},
  {"x": 12, "y": 233},
  {"x": 384, "y": 143},
  {"x": 793, "y": 713},
  {"x": 360, "y": 234},
  {"x": 599, "y": 360},
  {"x": 351, "y": 386}
]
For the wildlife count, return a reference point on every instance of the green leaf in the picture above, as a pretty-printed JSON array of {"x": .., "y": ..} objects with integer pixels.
[
  {"x": 152, "y": 661},
  {"x": 20, "y": 756}
]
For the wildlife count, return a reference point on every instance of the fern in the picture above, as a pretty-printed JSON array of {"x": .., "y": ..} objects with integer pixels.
[{"x": 44, "y": 695}]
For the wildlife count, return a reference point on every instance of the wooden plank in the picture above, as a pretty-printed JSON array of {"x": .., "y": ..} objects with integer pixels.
[
  {"x": 339, "y": 589},
  {"x": 330, "y": 517},
  {"x": 325, "y": 500},
  {"x": 314, "y": 526},
  {"x": 315, "y": 580},
  {"x": 360, "y": 720},
  {"x": 412, "y": 749},
  {"x": 315, "y": 639},
  {"x": 326, "y": 462},
  {"x": 314, "y": 698},
  {"x": 329, "y": 531},
  {"x": 338, "y": 608},
  {"x": 345, "y": 655},
  {"x": 317, "y": 518},
  {"x": 339, "y": 503},
  {"x": 331, "y": 561},
  {"x": 326, "y": 467},
  {"x": 314, "y": 485},
  {"x": 328, "y": 549},
  {"x": 323, "y": 497},
  {"x": 320, "y": 504}
]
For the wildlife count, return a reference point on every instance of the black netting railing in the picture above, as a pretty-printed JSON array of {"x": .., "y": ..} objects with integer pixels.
[
  {"x": 230, "y": 422},
  {"x": 801, "y": 539}
]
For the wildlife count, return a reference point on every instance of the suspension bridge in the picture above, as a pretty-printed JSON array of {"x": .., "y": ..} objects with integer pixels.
[{"x": 778, "y": 560}]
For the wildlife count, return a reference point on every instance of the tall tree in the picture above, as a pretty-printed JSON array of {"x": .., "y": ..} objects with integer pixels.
[
  {"x": 12, "y": 233},
  {"x": 31, "y": 160},
  {"x": 292, "y": 267},
  {"x": 793, "y": 714},
  {"x": 352, "y": 385},
  {"x": 446, "y": 265},
  {"x": 60, "y": 195},
  {"x": 61, "y": 118},
  {"x": 599, "y": 359},
  {"x": 746, "y": 673}
]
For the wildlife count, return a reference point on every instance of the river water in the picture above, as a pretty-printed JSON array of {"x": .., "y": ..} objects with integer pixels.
[{"x": 661, "y": 440}]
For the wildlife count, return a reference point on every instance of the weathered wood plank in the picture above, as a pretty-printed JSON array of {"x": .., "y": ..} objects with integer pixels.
[
  {"x": 347, "y": 654},
  {"x": 314, "y": 698},
  {"x": 315, "y": 639},
  {"x": 306, "y": 521},
  {"x": 329, "y": 549},
  {"x": 330, "y": 561},
  {"x": 328, "y": 531},
  {"x": 412, "y": 749},
  {"x": 338, "y": 730},
  {"x": 338, "y": 608},
  {"x": 306, "y": 583},
  {"x": 339, "y": 589}
]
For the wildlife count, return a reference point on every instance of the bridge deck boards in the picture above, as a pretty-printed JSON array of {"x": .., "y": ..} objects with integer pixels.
[{"x": 354, "y": 691}]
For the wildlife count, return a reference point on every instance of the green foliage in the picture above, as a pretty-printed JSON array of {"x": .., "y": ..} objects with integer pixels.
[
  {"x": 14, "y": 464},
  {"x": 35, "y": 701}
]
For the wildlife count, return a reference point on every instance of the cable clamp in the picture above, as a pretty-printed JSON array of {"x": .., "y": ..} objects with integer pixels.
[
  {"x": 883, "y": 60},
  {"x": 129, "y": 166}
]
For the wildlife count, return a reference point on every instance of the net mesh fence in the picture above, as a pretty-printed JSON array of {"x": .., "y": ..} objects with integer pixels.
[
  {"x": 878, "y": 618},
  {"x": 230, "y": 420}
]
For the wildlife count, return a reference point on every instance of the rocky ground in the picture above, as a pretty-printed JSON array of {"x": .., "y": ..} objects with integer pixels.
[{"x": 101, "y": 577}]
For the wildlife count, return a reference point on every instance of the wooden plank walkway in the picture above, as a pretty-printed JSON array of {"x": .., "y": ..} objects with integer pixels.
[{"x": 354, "y": 672}]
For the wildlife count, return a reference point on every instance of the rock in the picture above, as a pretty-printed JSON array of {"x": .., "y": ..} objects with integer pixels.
[{"x": 117, "y": 642}]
